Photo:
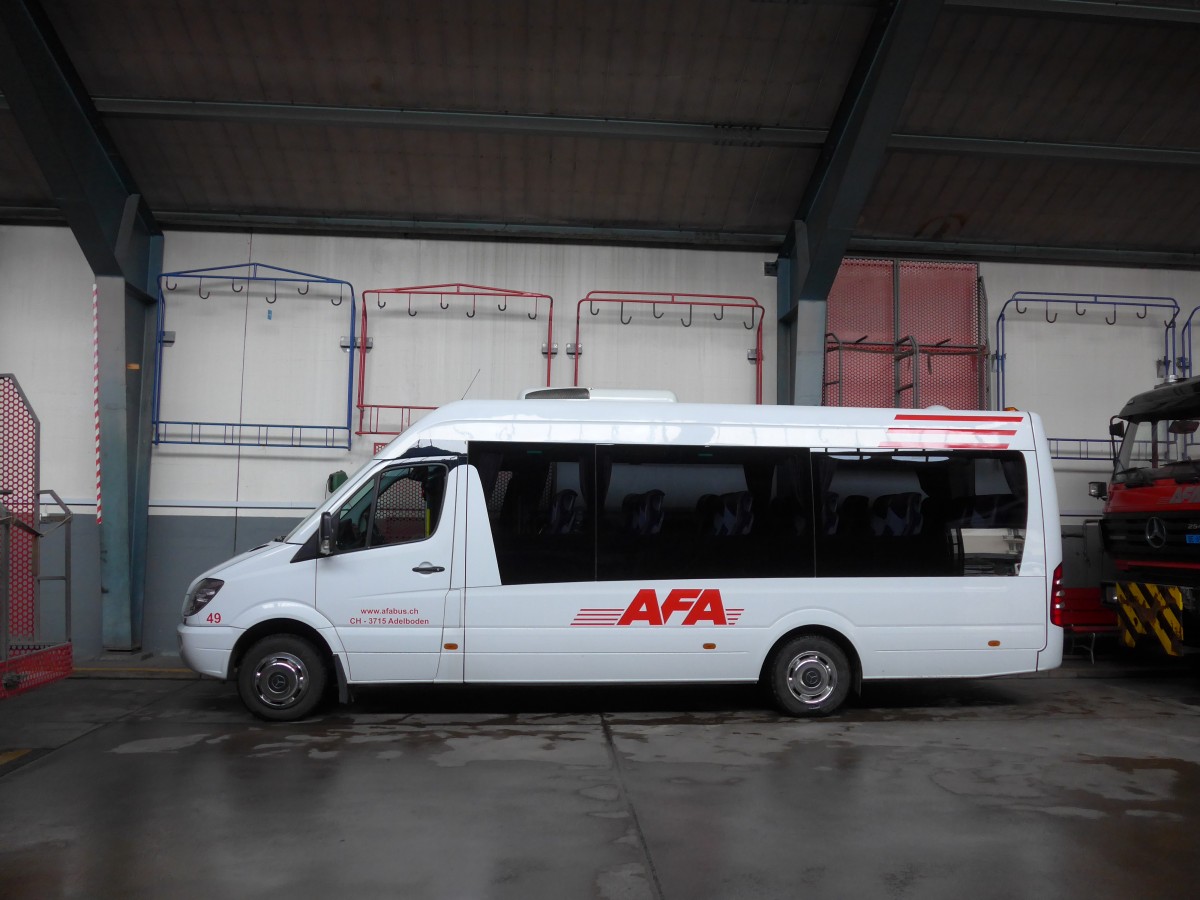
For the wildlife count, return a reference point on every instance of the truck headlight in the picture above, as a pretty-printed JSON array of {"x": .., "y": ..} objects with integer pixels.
[{"x": 199, "y": 596}]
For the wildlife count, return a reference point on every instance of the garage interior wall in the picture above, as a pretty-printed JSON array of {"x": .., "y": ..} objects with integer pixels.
[{"x": 209, "y": 502}]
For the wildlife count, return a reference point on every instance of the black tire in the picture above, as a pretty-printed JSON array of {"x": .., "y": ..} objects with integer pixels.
[
  {"x": 282, "y": 678},
  {"x": 809, "y": 675}
]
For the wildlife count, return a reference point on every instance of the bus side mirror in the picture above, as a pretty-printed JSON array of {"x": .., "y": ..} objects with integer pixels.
[
  {"x": 1098, "y": 489},
  {"x": 1116, "y": 429},
  {"x": 325, "y": 534}
]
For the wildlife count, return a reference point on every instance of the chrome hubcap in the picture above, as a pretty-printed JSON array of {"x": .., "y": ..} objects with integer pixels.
[
  {"x": 811, "y": 677},
  {"x": 280, "y": 680}
]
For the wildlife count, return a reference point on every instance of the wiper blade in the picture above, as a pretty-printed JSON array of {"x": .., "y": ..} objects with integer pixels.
[
  {"x": 1136, "y": 473},
  {"x": 1185, "y": 478}
]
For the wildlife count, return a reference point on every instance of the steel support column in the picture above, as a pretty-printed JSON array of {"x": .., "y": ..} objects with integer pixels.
[
  {"x": 844, "y": 177},
  {"x": 123, "y": 246},
  {"x": 126, "y": 332},
  {"x": 801, "y": 351}
]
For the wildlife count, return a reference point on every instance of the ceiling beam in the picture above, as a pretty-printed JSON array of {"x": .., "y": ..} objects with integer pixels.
[
  {"x": 1090, "y": 9},
  {"x": 1019, "y": 253},
  {"x": 417, "y": 228},
  {"x": 857, "y": 145},
  {"x": 746, "y": 241},
  {"x": 80, "y": 162},
  {"x": 733, "y": 134},
  {"x": 744, "y": 135},
  {"x": 1015, "y": 149}
]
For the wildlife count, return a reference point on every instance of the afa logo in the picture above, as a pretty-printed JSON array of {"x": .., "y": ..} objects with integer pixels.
[{"x": 682, "y": 606}]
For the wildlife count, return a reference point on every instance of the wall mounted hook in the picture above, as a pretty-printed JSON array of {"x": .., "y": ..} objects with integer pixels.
[
  {"x": 719, "y": 315},
  {"x": 625, "y": 321},
  {"x": 654, "y": 311},
  {"x": 200, "y": 290},
  {"x": 304, "y": 292},
  {"x": 688, "y": 323},
  {"x": 276, "y": 297}
]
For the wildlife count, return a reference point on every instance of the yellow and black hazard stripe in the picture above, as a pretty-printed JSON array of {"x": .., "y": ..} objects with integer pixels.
[{"x": 1151, "y": 609}]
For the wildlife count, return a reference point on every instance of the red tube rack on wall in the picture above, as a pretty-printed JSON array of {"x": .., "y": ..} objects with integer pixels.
[
  {"x": 665, "y": 299},
  {"x": 369, "y": 414}
]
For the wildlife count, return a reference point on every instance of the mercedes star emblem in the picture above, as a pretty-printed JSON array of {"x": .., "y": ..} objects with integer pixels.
[{"x": 1156, "y": 532}]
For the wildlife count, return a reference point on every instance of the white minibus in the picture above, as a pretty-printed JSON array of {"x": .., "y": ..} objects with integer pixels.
[{"x": 585, "y": 541}]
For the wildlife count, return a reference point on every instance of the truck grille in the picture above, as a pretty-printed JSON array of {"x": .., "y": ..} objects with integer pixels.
[{"x": 1161, "y": 537}]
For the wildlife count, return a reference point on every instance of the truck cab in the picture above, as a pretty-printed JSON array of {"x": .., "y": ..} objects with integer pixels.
[{"x": 1151, "y": 522}]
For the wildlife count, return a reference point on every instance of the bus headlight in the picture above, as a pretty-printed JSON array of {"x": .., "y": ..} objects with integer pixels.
[{"x": 198, "y": 598}]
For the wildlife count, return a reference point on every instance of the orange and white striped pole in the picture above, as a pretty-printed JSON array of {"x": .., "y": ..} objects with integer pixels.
[{"x": 96, "y": 388}]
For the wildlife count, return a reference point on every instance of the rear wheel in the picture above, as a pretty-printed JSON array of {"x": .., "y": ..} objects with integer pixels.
[
  {"x": 282, "y": 678},
  {"x": 809, "y": 675}
]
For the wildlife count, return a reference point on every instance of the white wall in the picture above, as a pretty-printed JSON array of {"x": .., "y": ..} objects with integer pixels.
[
  {"x": 46, "y": 342},
  {"x": 1079, "y": 371},
  {"x": 230, "y": 362}
]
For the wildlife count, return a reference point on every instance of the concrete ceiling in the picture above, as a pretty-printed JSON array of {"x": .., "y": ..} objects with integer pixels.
[{"x": 1032, "y": 129}]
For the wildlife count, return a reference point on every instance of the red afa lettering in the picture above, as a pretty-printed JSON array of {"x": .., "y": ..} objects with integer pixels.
[{"x": 696, "y": 606}]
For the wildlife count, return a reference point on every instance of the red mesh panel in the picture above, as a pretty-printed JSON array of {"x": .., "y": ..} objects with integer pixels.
[
  {"x": 860, "y": 302},
  {"x": 938, "y": 305},
  {"x": 19, "y": 474},
  {"x": 34, "y": 667},
  {"x": 860, "y": 315},
  {"x": 939, "y": 302},
  {"x": 953, "y": 379},
  {"x": 866, "y": 376}
]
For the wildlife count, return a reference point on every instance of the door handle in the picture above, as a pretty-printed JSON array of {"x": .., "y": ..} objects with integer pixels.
[{"x": 428, "y": 569}]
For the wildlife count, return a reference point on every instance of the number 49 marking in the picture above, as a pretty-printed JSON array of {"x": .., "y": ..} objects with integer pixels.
[{"x": 213, "y": 619}]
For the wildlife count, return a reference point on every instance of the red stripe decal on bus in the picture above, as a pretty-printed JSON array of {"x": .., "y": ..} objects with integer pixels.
[
  {"x": 909, "y": 417},
  {"x": 951, "y": 431},
  {"x": 944, "y": 445}
]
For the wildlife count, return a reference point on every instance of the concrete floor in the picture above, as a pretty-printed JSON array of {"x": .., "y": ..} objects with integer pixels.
[{"x": 1080, "y": 783}]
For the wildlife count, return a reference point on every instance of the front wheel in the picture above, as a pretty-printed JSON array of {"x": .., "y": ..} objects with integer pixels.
[
  {"x": 282, "y": 678},
  {"x": 809, "y": 675}
]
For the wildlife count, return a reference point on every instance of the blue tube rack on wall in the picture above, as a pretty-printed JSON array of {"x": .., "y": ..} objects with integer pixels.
[
  {"x": 236, "y": 279},
  {"x": 1080, "y": 304}
]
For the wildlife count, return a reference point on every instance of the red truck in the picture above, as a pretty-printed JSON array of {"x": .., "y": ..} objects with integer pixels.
[{"x": 1151, "y": 522}]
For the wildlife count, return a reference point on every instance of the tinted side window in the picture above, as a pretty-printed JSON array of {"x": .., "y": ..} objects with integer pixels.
[
  {"x": 912, "y": 513},
  {"x": 703, "y": 512},
  {"x": 540, "y": 500},
  {"x": 400, "y": 505}
]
